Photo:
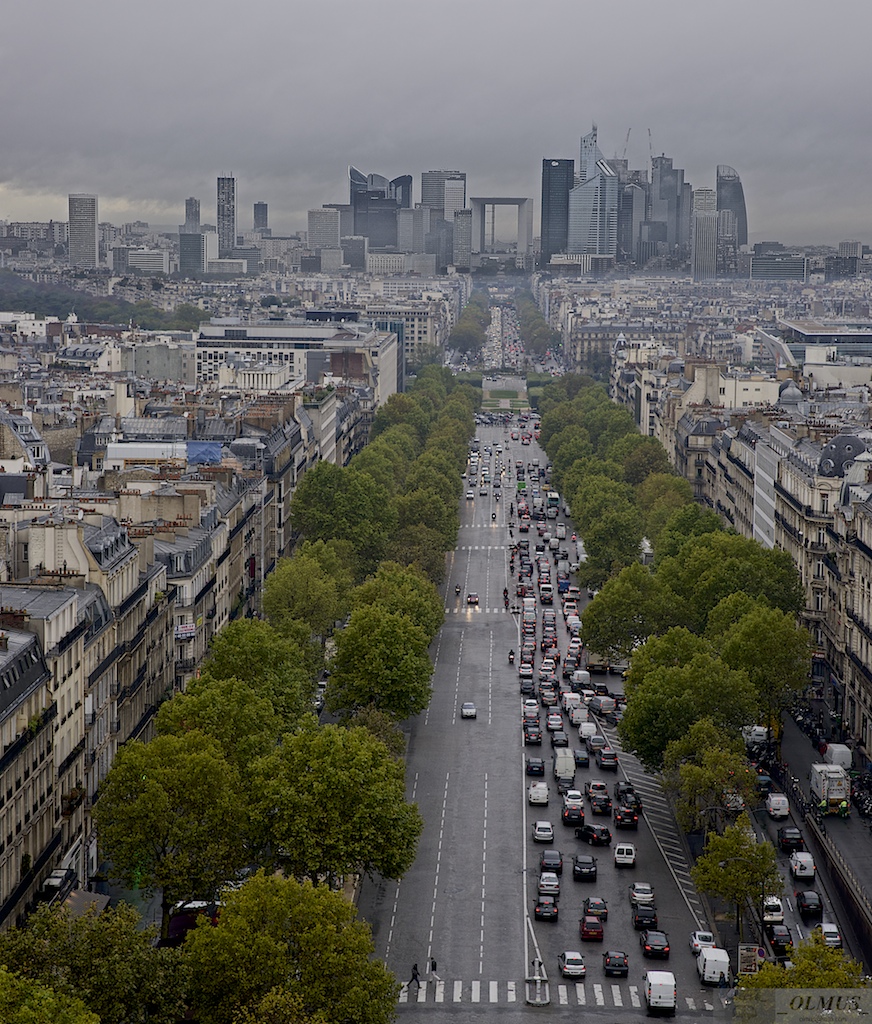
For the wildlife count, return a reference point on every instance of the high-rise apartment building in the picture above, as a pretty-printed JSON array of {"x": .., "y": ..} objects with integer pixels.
[
  {"x": 731, "y": 196},
  {"x": 192, "y": 217},
  {"x": 850, "y": 249},
  {"x": 226, "y": 216},
  {"x": 558, "y": 179},
  {"x": 261, "y": 217},
  {"x": 196, "y": 251},
  {"x": 704, "y": 246},
  {"x": 323, "y": 225},
  {"x": 83, "y": 237}
]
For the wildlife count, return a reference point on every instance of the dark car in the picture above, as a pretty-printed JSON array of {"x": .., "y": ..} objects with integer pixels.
[
  {"x": 600, "y": 803},
  {"x": 582, "y": 758},
  {"x": 644, "y": 917},
  {"x": 809, "y": 903},
  {"x": 551, "y": 860},
  {"x": 572, "y": 816},
  {"x": 626, "y": 817},
  {"x": 559, "y": 739},
  {"x": 584, "y": 868},
  {"x": 654, "y": 944},
  {"x": 779, "y": 938},
  {"x": 614, "y": 717},
  {"x": 545, "y": 909},
  {"x": 596, "y": 835},
  {"x": 564, "y": 785},
  {"x": 621, "y": 790},
  {"x": 616, "y": 962},
  {"x": 526, "y": 686},
  {"x": 535, "y": 766},
  {"x": 532, "y": 734},
  {"x": 790, "y": 839},
  {"x": 594, "y": 906},
  {"x": 632, "y": 799}
]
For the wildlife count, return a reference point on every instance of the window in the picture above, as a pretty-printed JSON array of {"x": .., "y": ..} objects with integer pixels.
[{"x": 825, "y": 501}]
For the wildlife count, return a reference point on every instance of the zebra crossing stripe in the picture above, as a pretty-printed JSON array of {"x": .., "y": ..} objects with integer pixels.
[
  {"x": 562, "y": 995},
  {"x": 422, "y": 992},
  {"x": 616, "y": 995},
  {"x": 476, "y": 991},
  {"x": 511, "y": 993},
  {"x": 634, "y": 996},
  {"x": 440, "y": 991},
  {"x": 598, "y": 995},
  {"x": 458, "y": 991},
  {"x": 579, "y": 993},
  {"x": 494, "y": 994}
]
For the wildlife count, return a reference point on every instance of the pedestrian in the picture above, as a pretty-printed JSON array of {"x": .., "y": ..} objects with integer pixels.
[
  {"x": 722, "y": 982},
  {"x": 416, "y": 977}
]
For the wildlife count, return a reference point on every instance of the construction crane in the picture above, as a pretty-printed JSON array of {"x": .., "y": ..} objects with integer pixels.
[
  {"x": 626, "y": 143},
  {"x": 651, "y": 153}
]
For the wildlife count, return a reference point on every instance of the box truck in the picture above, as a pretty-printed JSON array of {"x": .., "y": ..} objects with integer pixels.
[{"x": 830, "y": 785}]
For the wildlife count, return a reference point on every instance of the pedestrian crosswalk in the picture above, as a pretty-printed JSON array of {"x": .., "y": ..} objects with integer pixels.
[
  {"x": 590, "y": 994},
  {"x": 477, "y": 609}
]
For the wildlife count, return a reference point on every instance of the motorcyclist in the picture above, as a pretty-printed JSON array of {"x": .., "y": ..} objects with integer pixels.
[
  {"x": 506, "y": 593},
  {"x": 511, "y": 657},
  {"x": 494, "y": 516},
  {"x": 457, "y": 589}
]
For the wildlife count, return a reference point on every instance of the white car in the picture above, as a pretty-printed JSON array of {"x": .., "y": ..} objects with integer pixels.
[
  {"x": 573, "y": 798},
  {"x": 832, "y": 936},
  {"x": 468, "y": 710},
  {"x": 549, "y": 884},
  {"x": 641, "y": 894},
  {"x": 571, "y": 964},
  {"x": 538, "y": 793},
  {"x": 773, "y": 910},
  {"x": 701, "y": 940},
  {"x": 470, "y": 495},
  {"x": 802, "y": 865},
  {"x": 543, "y": 832}
]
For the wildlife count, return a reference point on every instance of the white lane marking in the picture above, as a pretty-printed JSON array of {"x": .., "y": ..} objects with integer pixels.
[
  {"x": 458, "y": 991},
  {"x": 598, "y": 995},
  {"x": 493, "y": 992},
  {"x": 511, "y": 992},
  {"x": 562, "y": 995},
  {"x": 476, "y": 991},
  {"x": 440, "y": 991},
  {"x": 616, "y": 995},
  {"x": 580, "y": 994}
]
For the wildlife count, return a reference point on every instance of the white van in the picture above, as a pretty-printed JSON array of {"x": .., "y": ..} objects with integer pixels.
[
  {"x": 838, "y": 753},
  {"x": 586, "y": 729},
  {"x": 777, "y": 806},
  {"x": 561, "y": 531},
  {"x": 625, "y": 855},
  {"x": 581, "y": 679},
  {"x": 659, "y": 989},
  {"x": 578, "y": 714},
  {"x": 568, "y": 698},
  {"x": 712, "y": 964}
]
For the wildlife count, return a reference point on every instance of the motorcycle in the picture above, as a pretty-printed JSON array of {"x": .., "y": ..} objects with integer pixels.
[
  {"x": 511, "y": 657},
  {"x": 457, "y": 590}
]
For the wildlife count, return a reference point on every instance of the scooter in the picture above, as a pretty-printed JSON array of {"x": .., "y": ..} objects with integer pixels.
[
  {"x": 511, "y": 657},
  {"x": 457, "y": 590}
]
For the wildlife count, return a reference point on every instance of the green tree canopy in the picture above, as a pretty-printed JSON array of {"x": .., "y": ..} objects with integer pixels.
[
  {"x": 813, "y": 964},
  {"x": 640, "y": 456},
  {"x": 300, "y": 588},
  {"x": 420, "y": 546},
  {"x": 681, "y": 526},
  {"x": 381, "y": 659},
  {"x": 630, "y": 608},
  {"x": 24, "y": 1001},
  {"x": 405, "y": 590},
  {"x": 431, "y": 508},
  {"x": 331, "y": 802},
  {"x": 280, "y": 942},
  {"x": 105, "y": 959},
  {"x": 171, "y": 817}
]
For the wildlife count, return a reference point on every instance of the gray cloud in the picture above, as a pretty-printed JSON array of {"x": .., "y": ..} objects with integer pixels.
[{"x": 146, "y": 104}]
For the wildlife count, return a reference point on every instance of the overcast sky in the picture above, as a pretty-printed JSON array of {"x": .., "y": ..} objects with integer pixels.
[{"x": 145, "y": 104}]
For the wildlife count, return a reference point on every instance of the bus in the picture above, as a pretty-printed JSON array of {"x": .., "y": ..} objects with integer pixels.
[{"x": 552, "y": 504}]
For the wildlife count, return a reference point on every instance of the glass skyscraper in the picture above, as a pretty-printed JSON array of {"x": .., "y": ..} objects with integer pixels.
[
  {"x": 731, "y": 196},
  {"x": 226, "y": 216},
  {"x": 558, "y": 178}
]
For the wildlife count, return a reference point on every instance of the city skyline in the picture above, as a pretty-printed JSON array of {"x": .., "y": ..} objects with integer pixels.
[{"x": 757, "y": 99}]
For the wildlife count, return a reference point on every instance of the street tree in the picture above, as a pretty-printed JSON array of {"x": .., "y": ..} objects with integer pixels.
[
  {"x": 330, "y": 802},
  {"x": 171, "y": 817},
  {"x": 103, "y": 958},
  {"x": 429, "y": 507},
  {"x": 281, "y": 943},
  {"x": 381, "y": 659},
  {"x": 736, "y": 868},
  {"x": 383, "y": 728},
  {"x": 25, "y": 1001},
  {"x": 813, "y": 964},
  {"x": 612, "y": 542},
  {"x": 300, "y": 588},
  {"x": 406, "y": 590},
  {"x": 657, "y": 498},
  {"x": 640, "y": 456},
  {"x": 629, "y": 608},
  {"x": 684, "y": 523},
  {"x": 420, "y": 546},
  {"x": 401, "y": 410}
]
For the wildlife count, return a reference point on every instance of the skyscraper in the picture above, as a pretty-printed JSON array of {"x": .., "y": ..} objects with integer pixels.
[
  {"x": 444, "y": 192},
  {"x": 226, "y": 216},
  {"x": 593, "y": 203},
  {"x": 83, "y": 245},
  {"x": 192, "y": 217},
  {"x": 704, "y": 249},
  {"x": 261, "y": 217},
  {"x": 323, "y": 227},
  {"x": 462, "y": 245},
  {"x": 731, "y": 196},
  {"x": 558, "y": 178},
  {"x": 671, "y": 204}
]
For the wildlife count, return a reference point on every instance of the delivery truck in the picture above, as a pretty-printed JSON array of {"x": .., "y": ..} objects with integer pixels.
[{"x": 830, "y": 787}]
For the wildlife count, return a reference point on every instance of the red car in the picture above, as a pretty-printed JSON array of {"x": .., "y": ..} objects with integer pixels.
[{"x": 591, "y": 928}]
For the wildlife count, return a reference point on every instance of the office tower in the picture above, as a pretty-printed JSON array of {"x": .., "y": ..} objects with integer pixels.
[
  {"x": 196, "y": 249},
  {"x": 323, "y": 227},
  {"x": 558, "y": 178},
  {"x": 413, "y": 226},
  {"x": 401, "y": 189},
  {"x": 631, "y": 216},
  {"x": 671, "y": 201},
  {"x": 462, "y": 251},
  {"x": 192, "y": 217},
  {"x": 593, "y": 203},
  {"x": 731, "y": 196},
  {"x": 704, "y": 249},
  {"x": 354, "y": 251},
  {"x": 226, "y": 216},
  {"x": 850, "y": 249},
  {"x": 588, "y": 154},
  {"x": 376, "y": 201},
  {"x": 440, "y": 196},
  {"x": 728, "y": 248},
  {"x": 83, "y": 245},
  {"x": 261, "y": 217},
  {"x": 346, "y": 217}
]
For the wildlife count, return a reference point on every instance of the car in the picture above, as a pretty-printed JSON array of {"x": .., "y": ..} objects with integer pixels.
[
  {"x": 482, "y": 490},
  {"x": 467, "y": 710},
  {"x": 802, "y": 865},
  {"x": 526, "y": 686},
  {"x": 472, "y": 598},
  {"x": 551, "y": 860},
  {"x": 595, "y": 786},
  {"x": 591, "y": 929},
  {"x": 573, "y": 798},
  {"x": 582, "y": 758},
  {"x": 600, "y": 803},
  {"x": 549, "y": 884},
  {"x": 701, "y": 940},
  {"x": 654, "y": 943},
  {"x": 641, "y": 894},
  {"x": 625, "y": 817},
  {"x": 830, "y": 934},
  {"x": 644, "y": 917},
  {"x": 470, "y": 495},
  {"x": 780, "y": 938},
  {"x": 620, "y": 790},
  {"x": 594, "y": 906},
  {"x": 584, "y": 868},
  {"x": 773, "y": 910},
  {"x": 538, "y": 793},
  {"x": 564, "y": 784},
  {"x": 595, "y": 743},
  {"x": 596, "y": 835},
  {"x": 554, "y": 722},
  {"x": 614, "y": 717},
  {"x": 535, "y": 766},
  {"x": 790, "y": 839},
  {"x": 545, "y": 908},
  {"x": 616, "y": 963},
  {"x": 571, "y": 964},
  {"x": 531, "y": 705},
  {"x": 632, "y": 800},
  {"x": 533, "y": 735},
  {"x": 573, "y": 816},
  {"x": 543, "y": 832},
  {"x": 525, "y": 674},
  {"x": 809, "y": 903},
  {"x": 559, "y": 739},
  {"x": 530, "y": 717}
]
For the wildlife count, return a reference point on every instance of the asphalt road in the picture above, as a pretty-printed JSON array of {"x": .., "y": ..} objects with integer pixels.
[{"x": 468, "y": 899}]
